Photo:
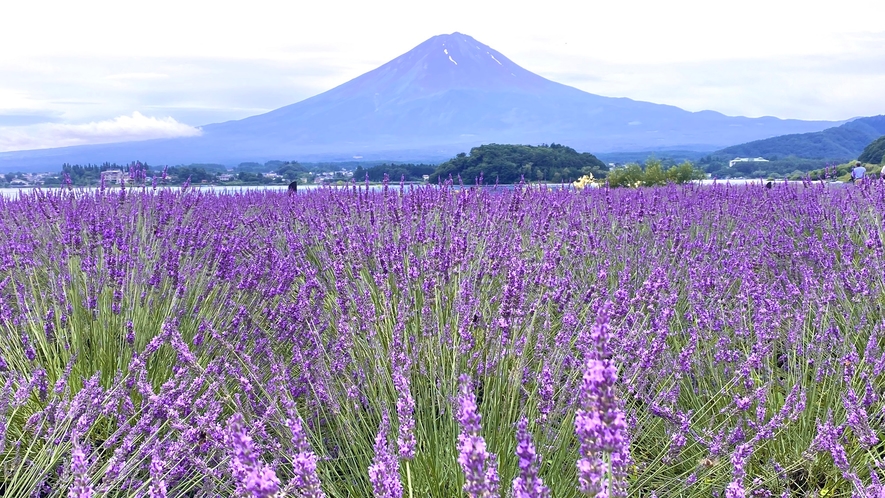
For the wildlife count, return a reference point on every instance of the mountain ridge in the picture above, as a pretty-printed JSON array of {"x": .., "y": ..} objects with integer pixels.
[
  {"x": 843, "y": 142},
  {"x": 447, "y": 95}
]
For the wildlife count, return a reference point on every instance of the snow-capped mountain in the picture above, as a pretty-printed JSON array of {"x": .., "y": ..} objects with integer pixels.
[{"x": 444, "y": 96}]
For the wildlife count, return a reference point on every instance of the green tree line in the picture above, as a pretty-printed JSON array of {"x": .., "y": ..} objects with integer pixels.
[
  {"x": 90, "y": 174},
  {"x": 395, "y": 172}
]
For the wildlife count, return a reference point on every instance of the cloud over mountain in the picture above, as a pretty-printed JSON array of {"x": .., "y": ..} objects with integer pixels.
[{"x": 136, "y": 127}]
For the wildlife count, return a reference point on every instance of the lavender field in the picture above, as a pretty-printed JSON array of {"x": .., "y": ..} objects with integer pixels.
[{"x": 683, "y": 341}]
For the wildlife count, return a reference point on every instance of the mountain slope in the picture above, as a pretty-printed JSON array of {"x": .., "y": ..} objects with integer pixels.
[
  {"x": 875, "y": 152},
  {"x": 445, "y": 96},
  {"x": 452, "y": 88},
  {"x": 842, "y": 142}
]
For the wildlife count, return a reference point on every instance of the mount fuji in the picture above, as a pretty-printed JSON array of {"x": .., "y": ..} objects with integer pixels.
[{"x": 445, "y": 96}]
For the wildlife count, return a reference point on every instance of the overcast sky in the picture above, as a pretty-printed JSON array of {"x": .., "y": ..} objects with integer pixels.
[{"x": 95, "y": 71}]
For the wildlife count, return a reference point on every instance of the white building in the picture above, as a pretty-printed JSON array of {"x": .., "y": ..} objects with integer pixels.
[
  {"x": 747, "y": 160},
  {"x": 111, "y": 176}
]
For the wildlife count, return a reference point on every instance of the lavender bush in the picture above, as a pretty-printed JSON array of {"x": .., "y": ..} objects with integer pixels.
[{"x": 444, "y": 341}]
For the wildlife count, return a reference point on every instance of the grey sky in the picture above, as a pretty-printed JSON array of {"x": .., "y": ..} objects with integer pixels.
[{"x": 97, "y": 71}]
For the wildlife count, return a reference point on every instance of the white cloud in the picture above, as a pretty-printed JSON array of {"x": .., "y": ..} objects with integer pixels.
[
  {"x": 138, "y": 76},
  {"x": 120, "y": 129}
]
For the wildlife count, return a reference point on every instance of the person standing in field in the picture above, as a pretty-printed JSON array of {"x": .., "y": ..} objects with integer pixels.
[{"x": 858, "y": 173}]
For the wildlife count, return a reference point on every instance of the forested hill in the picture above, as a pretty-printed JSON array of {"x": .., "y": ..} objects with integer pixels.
[
  {"x": 841, "y": 142},
  {"x": 874, "y": 153},
  {"x": 510, "y": 163}
]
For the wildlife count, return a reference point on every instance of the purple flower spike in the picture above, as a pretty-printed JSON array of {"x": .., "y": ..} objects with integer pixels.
[
  {"x": 81, "y": 487},
  {"x": 527, "y": 484},
  {"x": 384, "y": 471},
  {"x": 405, "y": 405},
  {"x": 600, "y": 424},
  {"x": 476, "y": 462},
  {"x": 158, "y": 482},
  {"x": 254, "y": 478},
  {"x": 304, "y": 465}
]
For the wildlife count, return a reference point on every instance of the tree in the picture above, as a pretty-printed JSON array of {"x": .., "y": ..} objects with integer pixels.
[
  {"x": 289, "y": 171},
  {"x": 196, "y": 175},
  {"x": 633, "y": 175},
  {"x": 630, "y": 175},
  {"x": 248, "y": 177},
  {"x": 684, "y": 172},
  {"x": 654, "y": 174}
]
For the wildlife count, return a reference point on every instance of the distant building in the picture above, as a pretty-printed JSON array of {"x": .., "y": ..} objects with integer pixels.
[
  {"x": 747, "y": 160},
  {"x": 18, "y": 182},
  {"x": 111, "y": 176},
  {"x": 225, "y": 177},
  {"x": 425, "y": 177}
]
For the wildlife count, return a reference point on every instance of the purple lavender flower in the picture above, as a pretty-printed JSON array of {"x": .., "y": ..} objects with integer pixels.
[
  {"x": 49, "y": 325},
  {"x": 304, "y": 464},
  {"x": 828, "y": 439},
  {"x": 5, "y": 395},
  {"x": 735, "y": 489},
  {"x": 384, "y": 471},
  {"x": 405, "y": 403},
  {"x": 876, "y": 489},
  {"x": 252, "y": 476},
  {"x": 81, "y": 487},
  {"x": 739, "y": 471},
  {"x": 157, "y": 488},
  {"x": 858, "y": 420},
  {"x": 476, "y": 462},
  {"x": 62, "y": 383},
  {"x": 527, "y": 484},
  {"x": 30, "y": 353},
  {"x": 545, "y": 392},
  {"x": 130, "y": 333},
  {"x": 42, "y": 383},
  {"x": 601, "y": 428},
  {"x": 600, "y": 423}
]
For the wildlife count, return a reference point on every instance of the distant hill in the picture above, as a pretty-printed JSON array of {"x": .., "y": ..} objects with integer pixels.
[
  {"x": 446, "y": 95},
  {"x": 839, "y": 143},
  {"x": 874, "y": 153},
  {"x": 511, "y": 163}
]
